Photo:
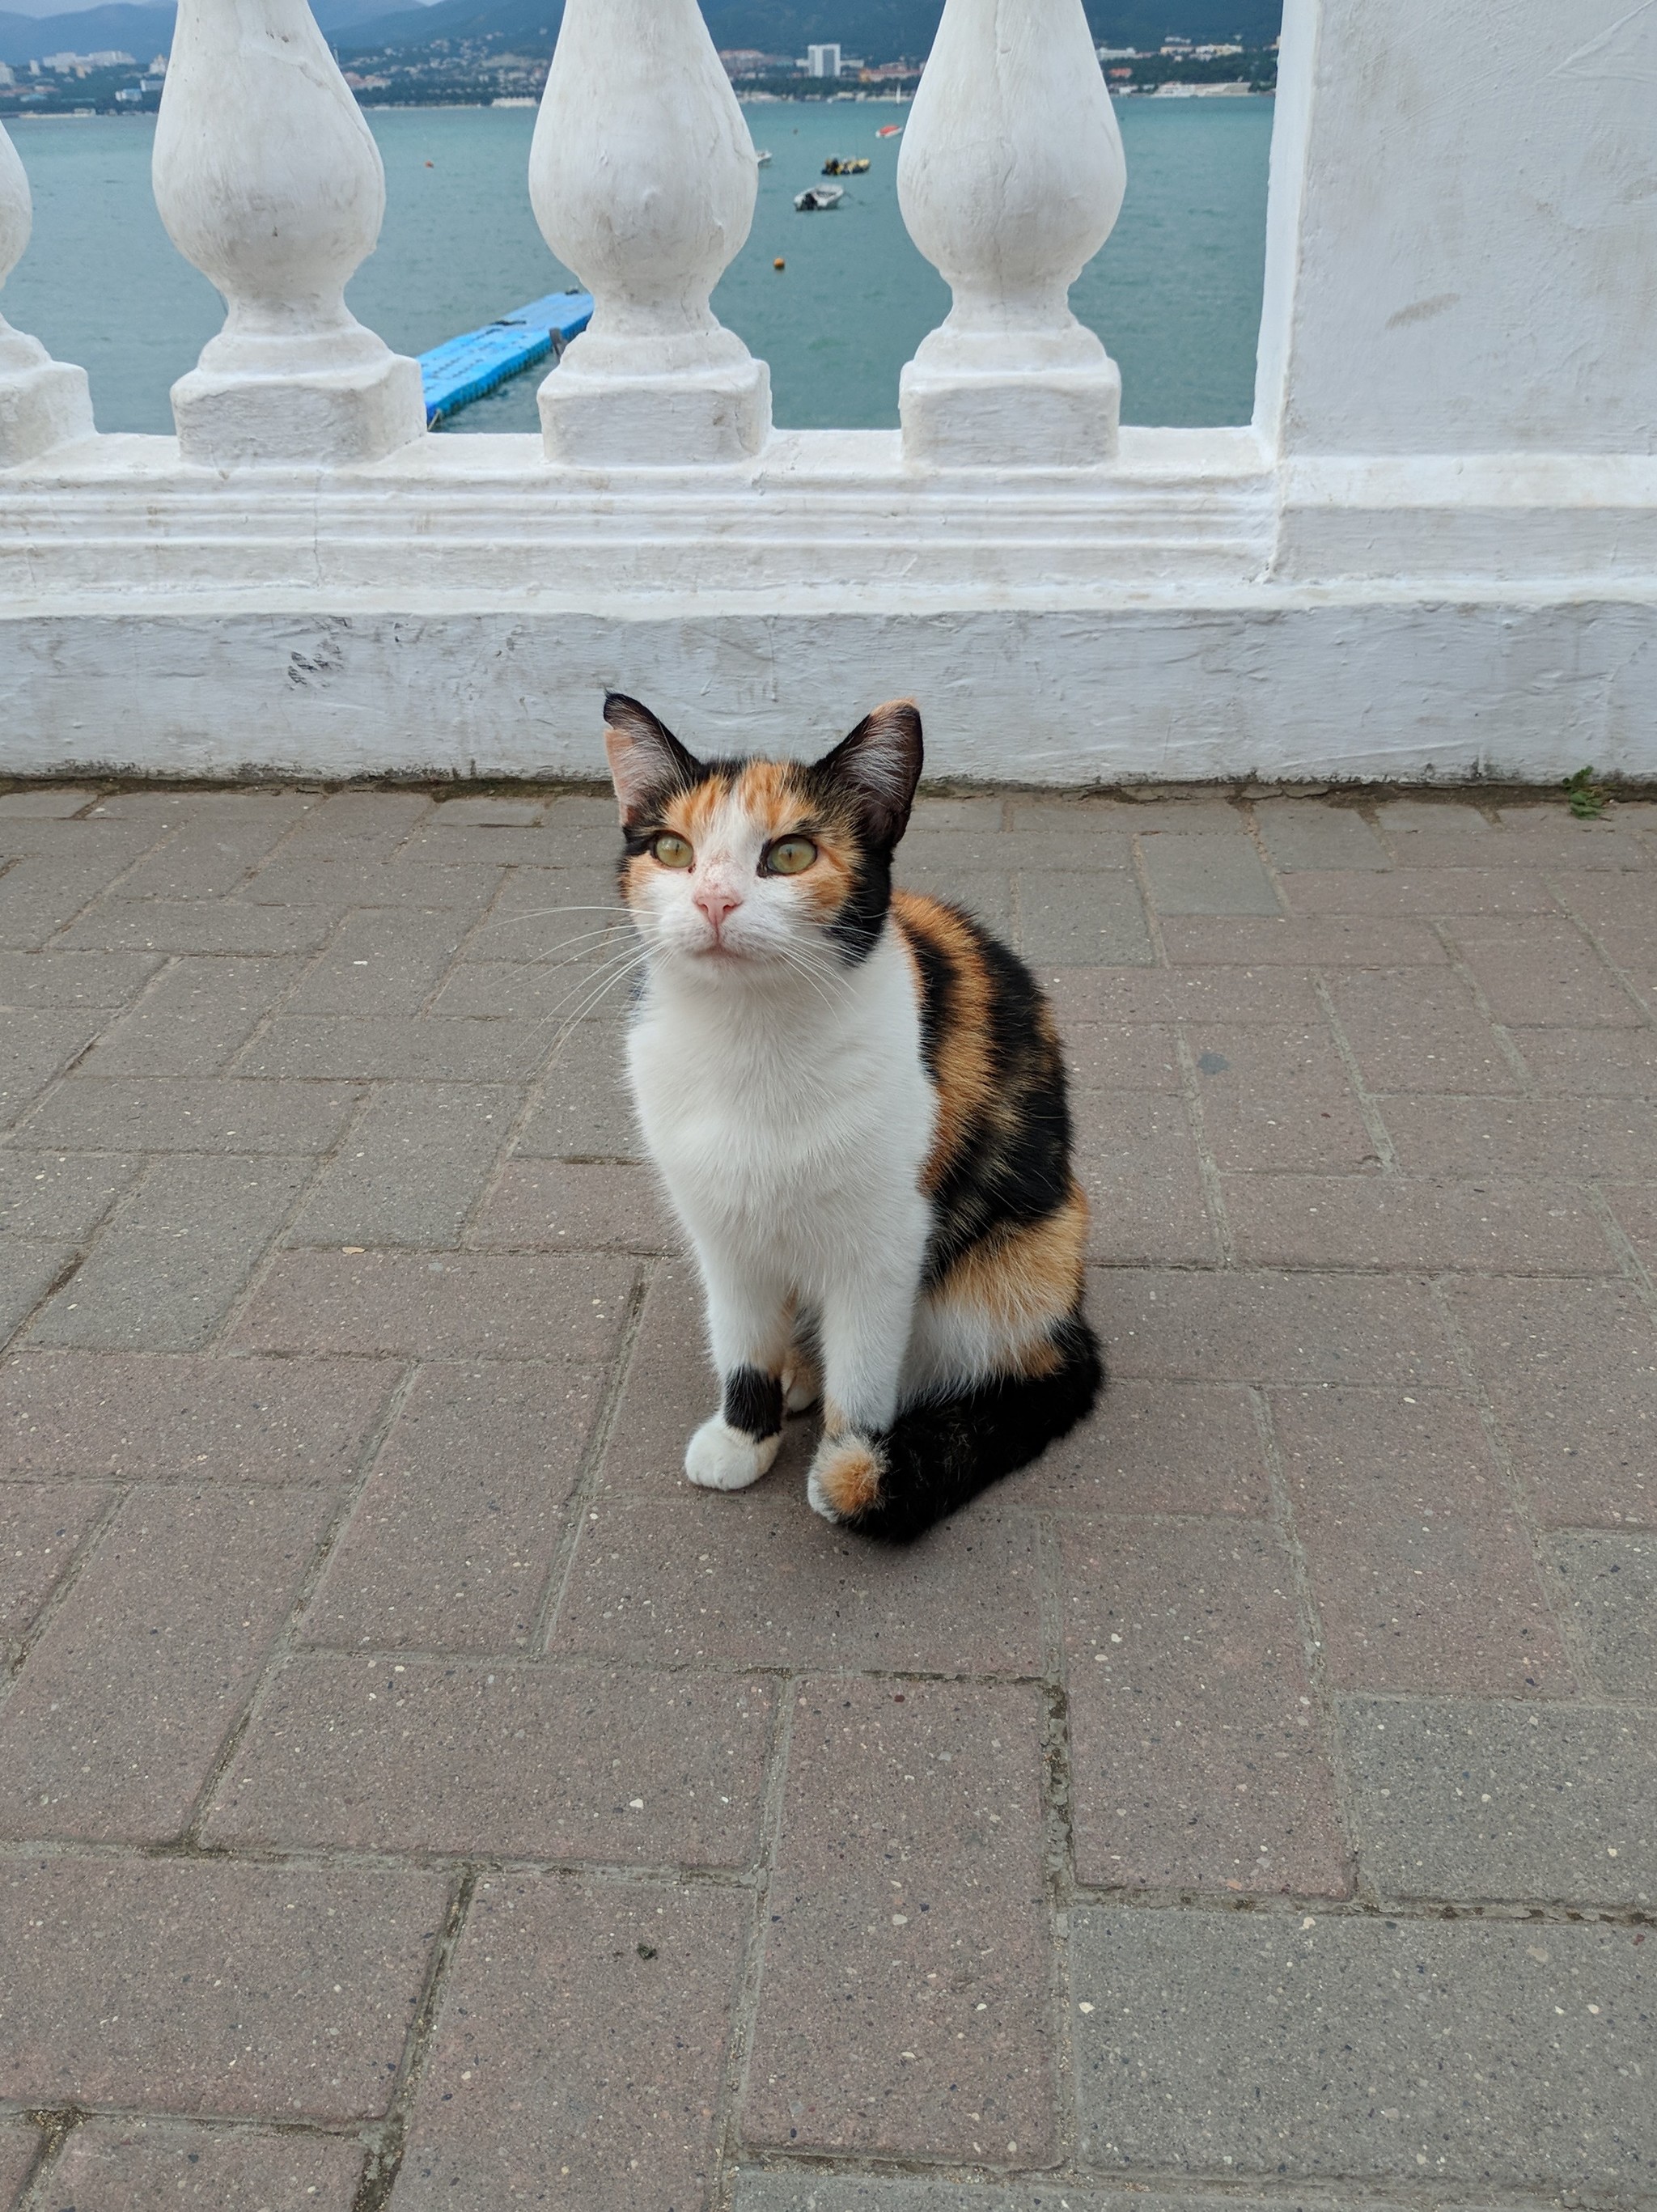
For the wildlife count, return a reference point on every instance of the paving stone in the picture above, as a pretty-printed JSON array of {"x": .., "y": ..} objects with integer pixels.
[
  {"x": 904, "y": 2008},
  {"x": 442, "y": 842},
  {"x": 186, "y": 1986},
  {"x": 1082, "y": 921},
  {"x": 1178, "y": 995},
  {"x": 207, "y": 857},
  {"x": 324, "y": 1047},
  {"x": 165, "y": 1273},
  {"x": 1604, "y": 900},
  {"x": 1152, "y": 1447},
  {"x": 1122, "y": 1056},
  {"x": 1196, "y": 1760},
  {"x": 1208, "y": 875},
  {"x": 1604, "y": 1063},
  {"x": 155, "y": 2166},
  {"x": 1586, "y": 1137},
  {"x": 1277, "y": 1098},
  {"x": 202, "y": 925},
  {"x": 1445, "y": 892},
  {"x": 114, "y": 1724},
  {"x": 36, "y": 1045},
  {"x": 19, "y": 2145},
  {"x": 1431, "y": 834},
  {"x": 41, "y": 1527},
  {"x": 412, "y": 1168},
  {"x": 63, "y": 1197},
  {"x": 1301, "y": 834},
  {"x": 476, "y": 1758},
  {"x": 760, "y": 1580},
  {"x": 1542, "y": 970},
  {"x": 549, "y": 1204},
  {"x": 485, "y": 813},
  {"x": 74, "y": 979},
  {"x": 1421, "y": 1569},
  {"x": 1192, "y": 812},
  {"x": 384, "y": 962},
  {"x": 581, "y": 2050},
  {"x": 1363, "y": 2049},
  {"x": 1413, "y": 1031},
  {"x": 1518, "y": 1226},
  {"x": 1545, "y": 838},
  {"x": 1136, "y": 1160},
  {"x": 580, "y": 810},
  {"x": 358, "y": 879},
  {"x": 1633, "y": 954},
  {"x": 544, "y": 913},
  {"x": 194, "y": 1020},
  {"x": 565, "y": 991},
  {"x": 985, "y": 812},
  {"x": 51, "y": 801},
  {"x": 1611, "y": 1587},
  {"x": 1086, "y": 851},
  {"x": 28, "y": 1269},
  {"x": 1468, "y": 1799},
  {"x": 671, "y": 1386},
  {"x": 450, "y": 1544},
  {"x": 1571, "y": 1369},
  {"x": 147, "y": 1417},
  {"x": 586, "y": 1110},
  {"x": 1251, "y": 1327},
  {"x": 986, "y": 894},
  {"x": 811, "y": 2190},
  {"x": 168, "y": 809},
  {"x": 202, "y": 1116},
  {"x": 416, "y": 1305},
  {"x": 41, "y": 894},
  {"x": 1330, "y": 940},
  {"x": 360, "y": 819}
]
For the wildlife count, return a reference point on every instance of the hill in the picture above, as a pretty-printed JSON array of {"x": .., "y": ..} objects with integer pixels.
[{"x": 139, "y": 31}]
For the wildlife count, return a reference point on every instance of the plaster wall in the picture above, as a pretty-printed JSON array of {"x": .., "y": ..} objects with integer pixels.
[{"x": 1463, "y": 237}]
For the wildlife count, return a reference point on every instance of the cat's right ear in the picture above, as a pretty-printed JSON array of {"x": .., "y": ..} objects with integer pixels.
[
  {"x": 646, "y": 761},
  {"x": 879, "y": 765}
]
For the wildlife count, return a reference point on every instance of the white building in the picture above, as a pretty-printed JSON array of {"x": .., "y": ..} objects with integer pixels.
[
  {"x": 1430, "y": 553},
  {"x": 822, "y": 61},
  {"x": 6, "y": 76}
]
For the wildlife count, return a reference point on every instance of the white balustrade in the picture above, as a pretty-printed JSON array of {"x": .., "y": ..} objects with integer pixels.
[
  {"x": 269, "y": 181},
  {"x": 643, "y": 178},
  {"x": 1011, "y": 179},
  {"x": 43, "y": 402}
]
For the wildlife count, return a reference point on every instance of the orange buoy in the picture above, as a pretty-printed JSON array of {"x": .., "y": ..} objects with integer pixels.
[
  {"x": 431, "y": 165},
  {"x": 780, "y": 262}
]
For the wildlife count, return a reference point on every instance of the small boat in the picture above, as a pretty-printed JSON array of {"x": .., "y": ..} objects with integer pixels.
[
  {"x": 762, "y": 158},
  {"x": 890, "y": 131},
  {"x": 817, "y": 197},
  {"x": 835, "y": 167}
]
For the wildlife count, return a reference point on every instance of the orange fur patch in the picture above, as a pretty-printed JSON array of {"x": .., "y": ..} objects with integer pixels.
[
  {"x": 848, "y": 1475},
  {"x": 965, "y": 1086},
  {"x": 1025, "y": 1280}
]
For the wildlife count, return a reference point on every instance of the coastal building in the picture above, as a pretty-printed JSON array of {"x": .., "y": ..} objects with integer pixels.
[
  {"x": 1430, "y": 553},
  {"x": 822, "y": 61},
  {"x": 6, "y": 76}
]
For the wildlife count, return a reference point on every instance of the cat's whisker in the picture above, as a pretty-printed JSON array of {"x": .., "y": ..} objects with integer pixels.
[
  {"x": 619, "y": 964},
  {"x": 582, "y": 1011}
]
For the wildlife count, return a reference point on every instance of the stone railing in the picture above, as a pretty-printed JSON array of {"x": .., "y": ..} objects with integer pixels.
[{"x": 1433, "y": 552}]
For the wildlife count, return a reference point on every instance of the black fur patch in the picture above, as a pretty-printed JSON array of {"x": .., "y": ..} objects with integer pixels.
[{"x": 753, "y": 1402}]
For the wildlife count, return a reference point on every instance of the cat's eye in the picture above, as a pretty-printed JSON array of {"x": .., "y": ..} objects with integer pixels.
[
  {"x": 791, "y": 856},
  {"x": 672, "y": 852}
]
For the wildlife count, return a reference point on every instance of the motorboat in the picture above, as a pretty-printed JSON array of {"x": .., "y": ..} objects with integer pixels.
[
  {"x": 835, "y": 167},
  {"x": 762, "y": 157},
  {"x": 815, "y": 197}
]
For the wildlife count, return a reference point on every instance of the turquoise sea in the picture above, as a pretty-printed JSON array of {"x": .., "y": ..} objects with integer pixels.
[{"x": 1175, "y": 294}]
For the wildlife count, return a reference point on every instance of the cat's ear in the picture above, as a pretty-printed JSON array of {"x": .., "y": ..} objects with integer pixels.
[
  {"x": 879, "y": 764},
  {"x": 645, "y": 759}
]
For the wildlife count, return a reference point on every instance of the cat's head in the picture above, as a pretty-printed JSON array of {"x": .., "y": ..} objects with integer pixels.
[{"x": 747, "y": 865}]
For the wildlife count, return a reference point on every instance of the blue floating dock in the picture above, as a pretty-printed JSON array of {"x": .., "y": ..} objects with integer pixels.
[{"x": 455, "y": 373}]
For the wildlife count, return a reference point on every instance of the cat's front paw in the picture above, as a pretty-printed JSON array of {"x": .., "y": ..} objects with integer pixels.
[
  {"x": 846, "y": 1476},
  {"x": 720, "y": 1457}
]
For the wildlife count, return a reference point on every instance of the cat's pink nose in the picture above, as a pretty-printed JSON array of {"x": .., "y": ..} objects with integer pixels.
[{"x": 716, "y": 902}]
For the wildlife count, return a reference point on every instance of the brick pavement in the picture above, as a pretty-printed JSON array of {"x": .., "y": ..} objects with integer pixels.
[{"x": 412, "y": 1794}]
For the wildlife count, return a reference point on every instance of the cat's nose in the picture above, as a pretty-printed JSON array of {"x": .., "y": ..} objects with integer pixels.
[{"x": 716, "y": 902}]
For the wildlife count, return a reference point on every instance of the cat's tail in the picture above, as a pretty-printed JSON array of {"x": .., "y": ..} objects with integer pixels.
[{"x": 940, "y": 1456}]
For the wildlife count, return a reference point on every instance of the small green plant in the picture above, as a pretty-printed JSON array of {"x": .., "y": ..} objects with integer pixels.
[{"x": 1586, "y": 800}]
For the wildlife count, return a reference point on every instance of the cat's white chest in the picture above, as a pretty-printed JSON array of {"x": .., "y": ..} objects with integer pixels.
[{"x": 791, "y": 1124}]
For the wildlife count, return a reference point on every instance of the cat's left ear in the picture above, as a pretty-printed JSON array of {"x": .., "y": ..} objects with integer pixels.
[
  {"x": 880, "y": 765},
  {"x": 646, "y": 761}
]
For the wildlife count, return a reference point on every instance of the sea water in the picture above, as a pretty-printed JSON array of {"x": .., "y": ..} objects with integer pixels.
[{"x": 1175, "y": 294}]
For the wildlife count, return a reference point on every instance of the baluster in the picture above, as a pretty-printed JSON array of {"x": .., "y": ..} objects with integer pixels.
[
  {"x": 1011, "y": 179},
  {"x": 643, "y": 179},
  {"x": 43, "y": 402},
  {"x": 269, "y": 181}
]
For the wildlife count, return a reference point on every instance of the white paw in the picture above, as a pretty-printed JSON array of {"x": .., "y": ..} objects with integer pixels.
[{"x": 720, "y": 1457}]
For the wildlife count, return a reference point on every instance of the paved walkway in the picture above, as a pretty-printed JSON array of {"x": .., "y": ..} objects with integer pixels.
[{"x": 412, "y": 1794}]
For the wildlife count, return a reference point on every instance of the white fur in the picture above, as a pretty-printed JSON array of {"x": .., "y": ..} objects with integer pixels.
[{"x": 723, "y": 1458}]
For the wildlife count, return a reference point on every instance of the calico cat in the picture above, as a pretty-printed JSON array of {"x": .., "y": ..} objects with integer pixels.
[{"x": 856, "y": 1099}]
